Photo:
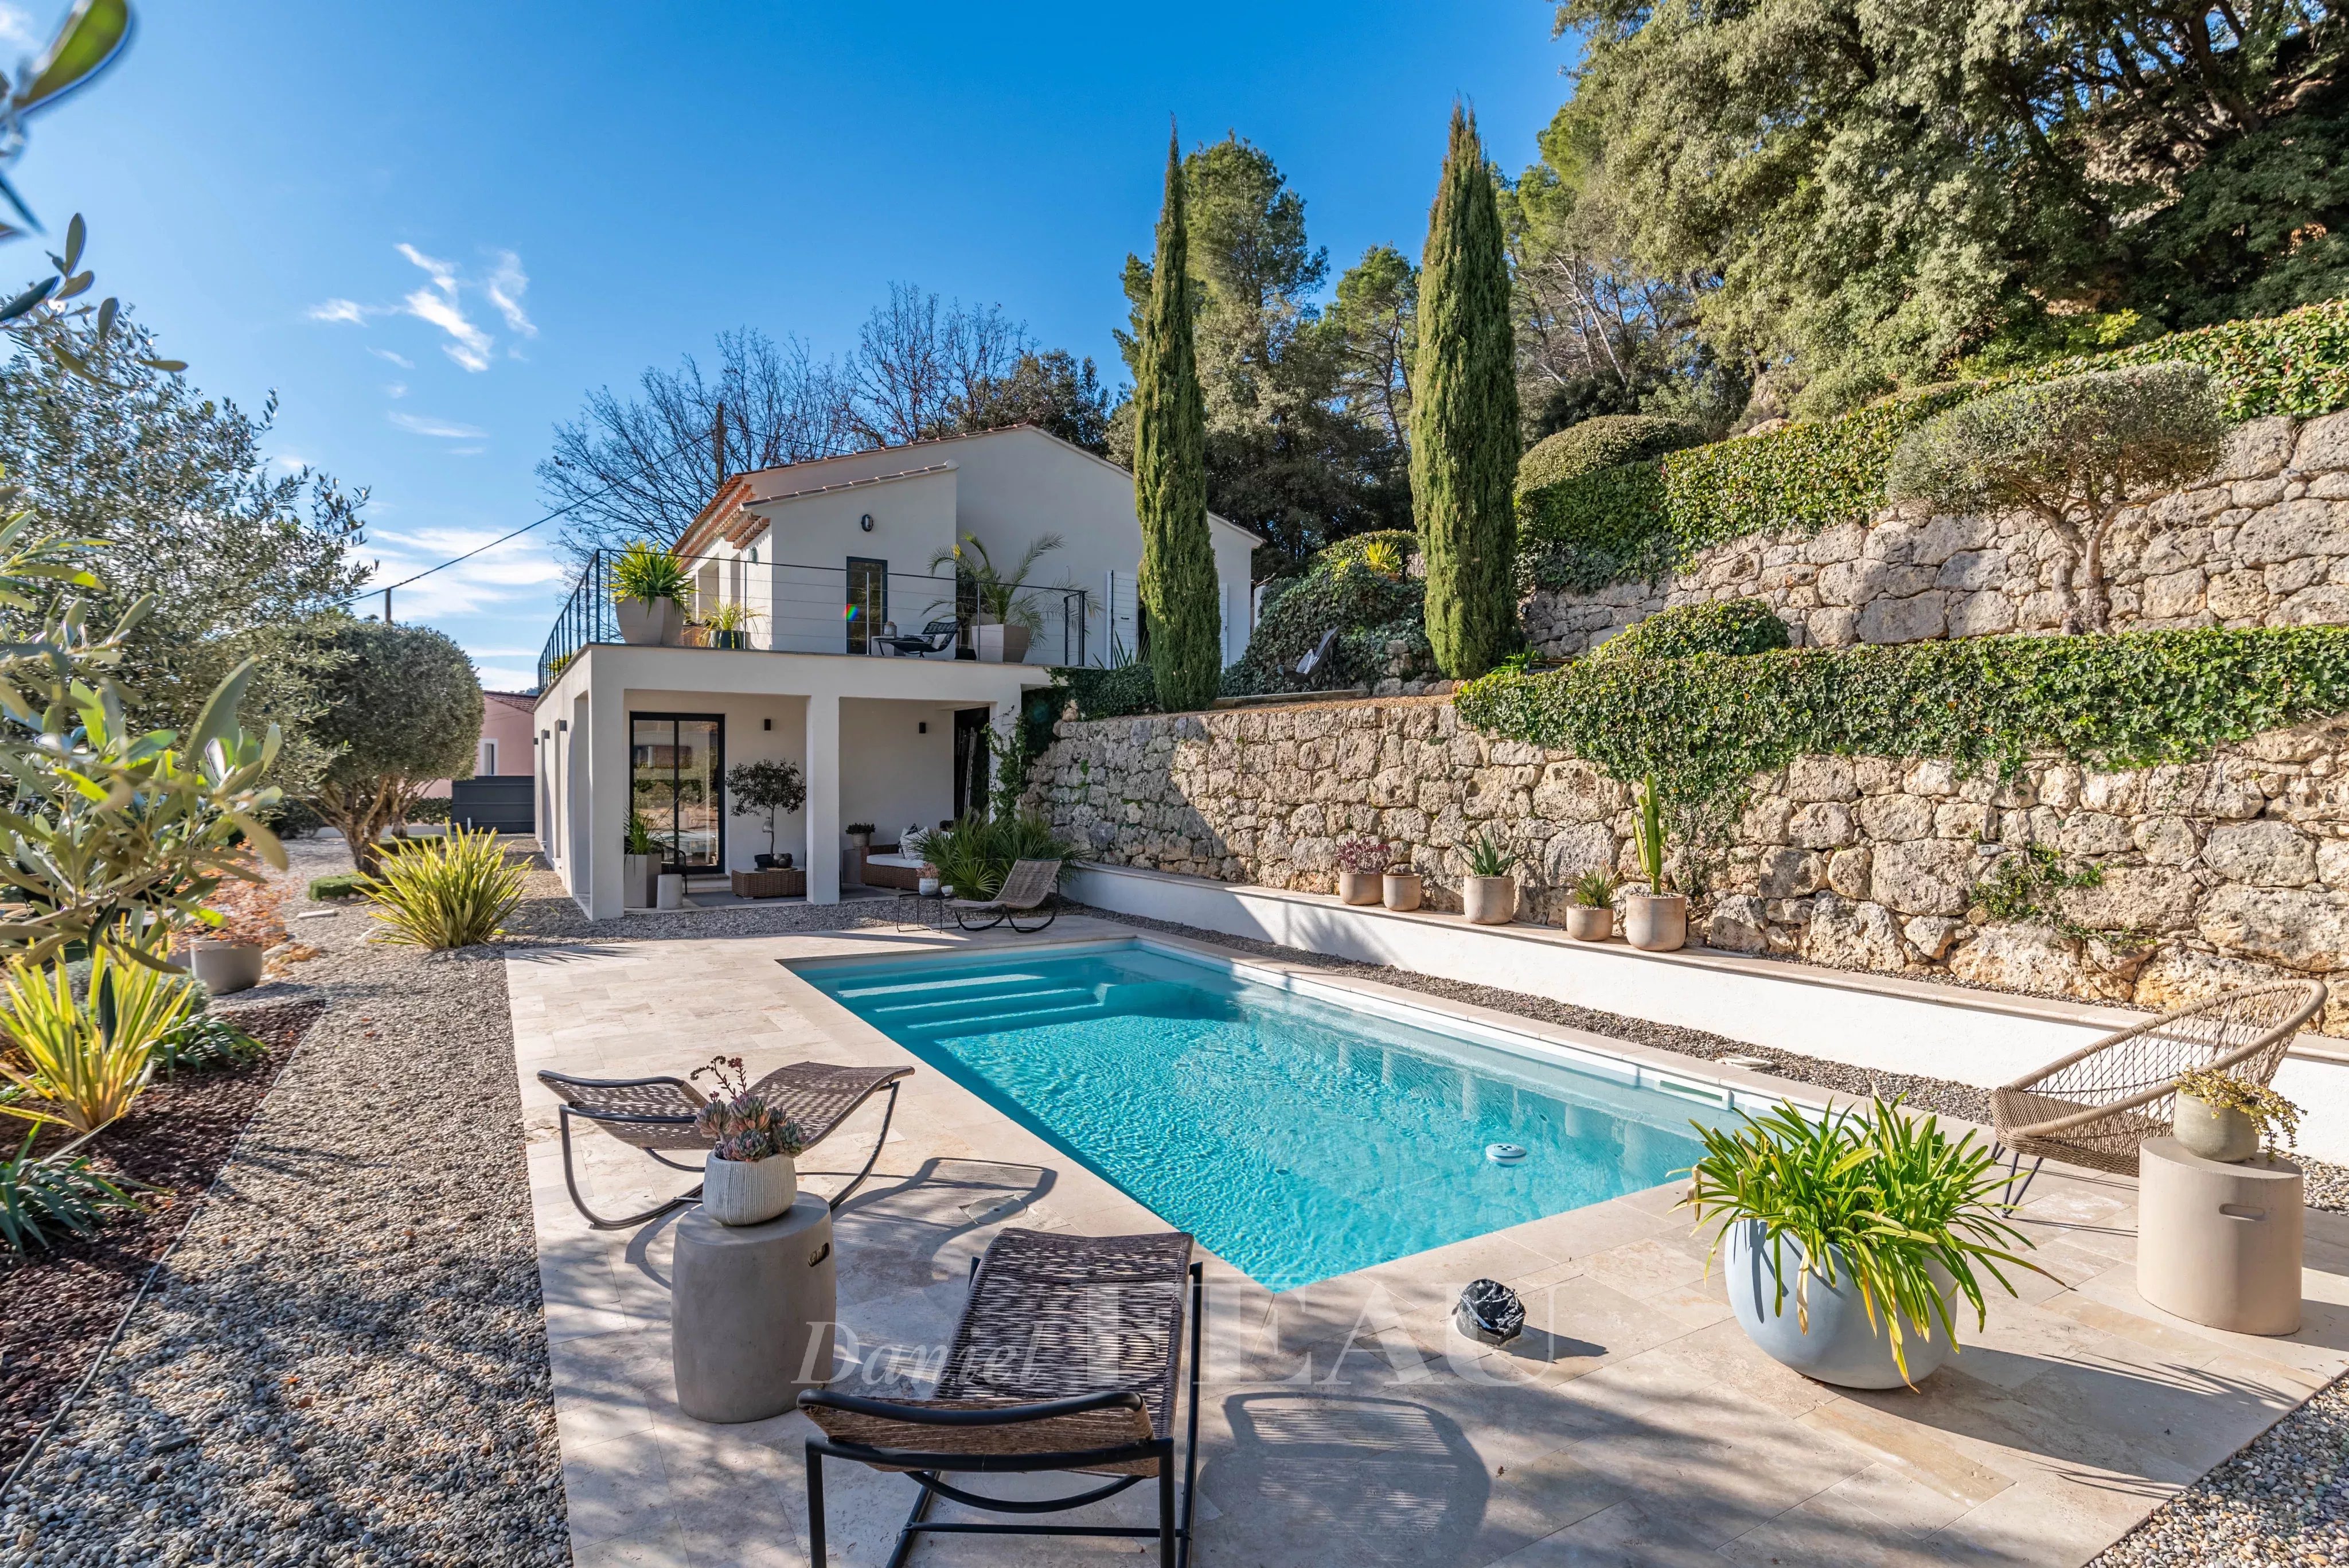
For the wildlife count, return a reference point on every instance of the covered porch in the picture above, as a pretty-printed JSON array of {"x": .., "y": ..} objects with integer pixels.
[{"x": 895, "y": 742}]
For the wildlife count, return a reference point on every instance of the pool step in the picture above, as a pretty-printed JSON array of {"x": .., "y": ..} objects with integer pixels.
[{"x": 952, "y": 1009}]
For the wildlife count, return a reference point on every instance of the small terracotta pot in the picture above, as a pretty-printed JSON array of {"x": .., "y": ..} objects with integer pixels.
[
  {"x": 747, "y": 1192},
  {"x": 1489, "y": 900},
  {"x": 2216, "y": 1132},
  {"x": 1402, "y": 890},
  {"x": 1358, "y": 887},
  {"x": 1656, "y": 923},
  {"x": 1586, "y": 924}
]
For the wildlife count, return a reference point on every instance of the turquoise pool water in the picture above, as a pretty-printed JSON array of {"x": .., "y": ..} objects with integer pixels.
[{"x": 1295, "y": 1137}]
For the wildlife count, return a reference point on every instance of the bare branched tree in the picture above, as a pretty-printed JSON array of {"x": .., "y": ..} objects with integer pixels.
[{"x": 919, "y": 359}]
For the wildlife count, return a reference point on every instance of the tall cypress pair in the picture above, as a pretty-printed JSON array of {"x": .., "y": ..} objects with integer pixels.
[
  {"x": 1170, "y": 475},
  {"x": 1463, "y": 419}
]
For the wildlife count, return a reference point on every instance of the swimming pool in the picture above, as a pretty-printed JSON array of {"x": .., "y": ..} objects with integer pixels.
[{"x": 1296, "y": 1135}]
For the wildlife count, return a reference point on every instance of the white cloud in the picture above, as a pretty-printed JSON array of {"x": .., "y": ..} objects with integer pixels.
[
  {"x": 507, "y": 678},
  {"x": 402, "y": 360},
  {"x": 396, "y": 389},
  {"x": 467, "y": 451},
  {"x": 512, "y": 579},
  {"x": 423, "y": 425},
  {"x": 505, "y": 289},
  {"x": 16, "y": 29},
  {"x": 349, "y": 310},
  {"x": 435, "y": 305}
]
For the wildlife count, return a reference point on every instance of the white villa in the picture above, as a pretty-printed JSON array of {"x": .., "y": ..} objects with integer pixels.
[{"x": 828, "y": 564}]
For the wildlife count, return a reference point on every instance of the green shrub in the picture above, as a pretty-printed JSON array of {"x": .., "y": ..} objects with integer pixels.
[
  {"x": 66, "y": 1192},
  {"x": 1340, "y": 587},
  {"x": 1725, "y": 626},
  {"x": 1606, "y": 441},
  {"x": 1606, "y": 526},
  {"x": 431, "y": 811},
  {"x": 975, "y": 855},
  {"x": 341, "y": 885},
  {"x": 450, "y": 891},
  {"x": 1115, "y": 693},
  {"x": 2296, "y": 364}
]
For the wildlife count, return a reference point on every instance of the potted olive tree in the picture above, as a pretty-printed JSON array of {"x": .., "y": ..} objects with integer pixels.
[
  {"x": 640, "y": 864},
  {"x": 772, "y": 787},
  {"x": 748, "y": 1177},
  {"x": 1846, "y": 1239},
  {"x": 1590, "y": 918},
  {"x": 2221, "y": 1117},
  {"x": 649, "y": 588},
  {"x": 1360, "y": 862},
  {"x": 1654, "y": 922},
  {"x": 1488, "y": 894}
]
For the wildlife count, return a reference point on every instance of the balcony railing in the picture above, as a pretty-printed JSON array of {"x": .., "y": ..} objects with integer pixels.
[{"x": 864, "y": 609}]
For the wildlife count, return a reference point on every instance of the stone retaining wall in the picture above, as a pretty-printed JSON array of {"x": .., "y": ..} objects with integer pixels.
[
  {"x": 2219, "y": 872},
  {"x": 2264, "y": 541}
]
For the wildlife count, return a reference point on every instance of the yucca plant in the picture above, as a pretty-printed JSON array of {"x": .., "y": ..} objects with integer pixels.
[
  {"x": 64, "y": 1190},
  {"x": 1595, "y": 889},
  {"x": 76, "y": 1061},
  {"x": 1487, "y": 857},
  {"x": 642, "y": 572},
  {"x": 1880, "y": 1199},
  {"x": 447, "y": 892}
]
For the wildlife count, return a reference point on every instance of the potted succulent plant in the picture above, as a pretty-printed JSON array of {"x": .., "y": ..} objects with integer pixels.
[
  {"x": 1847, "y": 1239},
  {"x": 2221, "y": 1117},
  {"x": 640, "y": 864},
  {"x": 1402, "y": 888},
  {"x": 1361, "y": 863},
  {"x": 1654, "y": 922},
  {"x": 649, "y": 588},
  {"x": 729, "y": 623},
  {"x": 747, "y": 1177},
  {"x": 1590, "y": 918},
  {"x": 1488, "y": 893}
]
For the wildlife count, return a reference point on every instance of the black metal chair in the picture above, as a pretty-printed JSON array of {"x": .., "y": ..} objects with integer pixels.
[
  {"x": 657, "y": 1114},
  {"x": 935, "y": 638}
]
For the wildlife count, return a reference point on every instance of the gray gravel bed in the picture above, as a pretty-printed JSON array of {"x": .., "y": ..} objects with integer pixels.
[{"x": 346, "y": 1360}]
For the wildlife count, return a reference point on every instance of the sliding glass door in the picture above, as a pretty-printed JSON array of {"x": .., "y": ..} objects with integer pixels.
[{"x": 675, "y": 762}]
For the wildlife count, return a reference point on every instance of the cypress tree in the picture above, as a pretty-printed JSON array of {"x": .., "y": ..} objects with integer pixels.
[
  {"x": 1463, "y": 418},
  {"x": 1170, "y": 476}
]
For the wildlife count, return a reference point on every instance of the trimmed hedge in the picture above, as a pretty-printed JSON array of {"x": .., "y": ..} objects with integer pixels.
[
  {"x": 1106, "y": 693},
  {"x": 1603, "y": 441},
  {"x": 1340, "y": 588},
  {"x": 1647, "y": 518},
  {"x": 1706, "y": 725},
  {"x": 340, "y": 885},
  {"x": 1722, "y": 626}
]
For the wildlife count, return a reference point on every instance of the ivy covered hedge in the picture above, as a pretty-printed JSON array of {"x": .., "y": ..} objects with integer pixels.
[
  {"x": 1684, "y": 631},
  {"x": 1643, "y": 519},
  {"x": 1363, "y": 588},
  {"x": 1706, "y": 725},
  {"x": 1104, "y": 693}
]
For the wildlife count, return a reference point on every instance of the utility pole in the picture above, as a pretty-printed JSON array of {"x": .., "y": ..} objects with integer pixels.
[{"x": 387, "y": 606}]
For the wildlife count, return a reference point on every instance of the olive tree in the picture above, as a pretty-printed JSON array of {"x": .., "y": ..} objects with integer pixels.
[
  {"x": 2074, "y": 453},
  {"x": 402, "y": 709}
]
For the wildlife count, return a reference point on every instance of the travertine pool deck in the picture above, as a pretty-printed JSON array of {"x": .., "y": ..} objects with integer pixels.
[{"x": 1345, "y": 1423}]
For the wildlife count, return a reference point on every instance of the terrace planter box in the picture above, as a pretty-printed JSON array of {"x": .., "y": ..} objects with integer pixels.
[
  {"x": 998, "y": 644},
  {"x": 639, "y": 880},
  {"x": 769, "y": 884}
]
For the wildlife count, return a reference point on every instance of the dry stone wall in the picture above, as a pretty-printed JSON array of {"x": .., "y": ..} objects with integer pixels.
[
  {"x": 2263, "y": 541},
  {"x": 2213, "y": 872}
]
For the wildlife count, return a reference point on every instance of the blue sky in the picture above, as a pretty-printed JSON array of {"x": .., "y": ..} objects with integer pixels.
[{"x": 431, "y": 228}]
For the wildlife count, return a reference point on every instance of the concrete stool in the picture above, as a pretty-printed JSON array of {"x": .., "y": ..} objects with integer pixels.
[
  {"x": 750, "y": 1312},
  {"x": 2217, "y": 1244}
]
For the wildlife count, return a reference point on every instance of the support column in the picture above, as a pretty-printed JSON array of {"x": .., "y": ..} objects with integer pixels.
[
  {"x": 822, "y": 762},
  {"x": 611, "y": 790}
]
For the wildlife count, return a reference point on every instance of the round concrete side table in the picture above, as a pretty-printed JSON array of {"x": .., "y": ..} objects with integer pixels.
[
  {"x": 750, "y": 1312},
  {"x": 2217, "y": 1244}
]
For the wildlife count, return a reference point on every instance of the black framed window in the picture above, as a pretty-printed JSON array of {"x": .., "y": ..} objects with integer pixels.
[
  {"x": 675, "y": 763},
  {"x": 868, "y": 601}
]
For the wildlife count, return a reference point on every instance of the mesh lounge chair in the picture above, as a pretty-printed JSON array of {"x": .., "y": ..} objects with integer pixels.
[
  {"x": 2096, "y": 1106},
  {"x": 1065, "y": 1359},
  {"x": 1027, "y": 887},
  {"x": 657, "y": 1114}
]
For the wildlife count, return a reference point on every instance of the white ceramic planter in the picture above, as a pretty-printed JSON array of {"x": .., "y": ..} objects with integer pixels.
[
  {"x": 1404, "y": 891},
  {"x": 223, "y": 966},
  {"x": 647, "y": 624},
  {"x": 2216, "y": 1132},
  {"x": 638, "y": 875},
  {"x": 1585, "y": 924},
  {"x": 1358, "y": 887},
  {"x": 669, "y": 890},
  {"x": 747, "y": 1192},
  {"x": 1656, "y": 923},
  {"x": 1840, "y": 1344},
  {"x": 1489, "y": 900}
]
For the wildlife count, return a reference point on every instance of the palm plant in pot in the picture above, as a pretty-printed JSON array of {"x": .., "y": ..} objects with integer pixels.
[
  {"x": 748, "y": 1177},
  {"x": 1361, "y": 863},
  {"x": 1007, "y": 619},
  {"x": 1654, "y": 922},
  {"x": 2219, "y": 1116},
  {"x": 640, "y": 863},
  {"x": 649, "y": 591},
  {"x": 1848, "y": 1239},
  {"x": 1590, "y": 918},
  {"x": 1488, "y": 893}
]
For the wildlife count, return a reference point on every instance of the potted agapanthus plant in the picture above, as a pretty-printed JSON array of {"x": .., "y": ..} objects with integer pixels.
[
  {"x": 1488, "y": 894},
  {"x": 649, "y": 591},
  {"x": 747, "y": 1177},
  {"x": 1361, "y": 863},
  {"x": 1848, "y": 1239},
  {"x": 2221, "y": 1117},
  {"x": 1654, "y": 922}
]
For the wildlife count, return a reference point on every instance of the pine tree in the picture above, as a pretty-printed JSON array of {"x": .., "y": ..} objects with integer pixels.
[
  {"x": 1170, "y": 477},
  {"x": 1463, "y": 418}
]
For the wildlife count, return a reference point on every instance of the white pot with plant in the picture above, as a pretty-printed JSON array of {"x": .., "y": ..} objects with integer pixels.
[
  {"x": 748, "y": 1178},
  {"x": 1488, "y": 894},
  {"x": 640, "y": 865},
  {"x": 1402, "y": 888},
  {"x": 1654, "y": 922},
  {"x": 1846, "y": 1239},
  {"x": 2221, "y": 1117},
  {"x": 649, "y": 588},
  {"x": 1361, "y": 862},
  {"x": 1007, "y": 617},
  {"x": 1590, "y": 918}
]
